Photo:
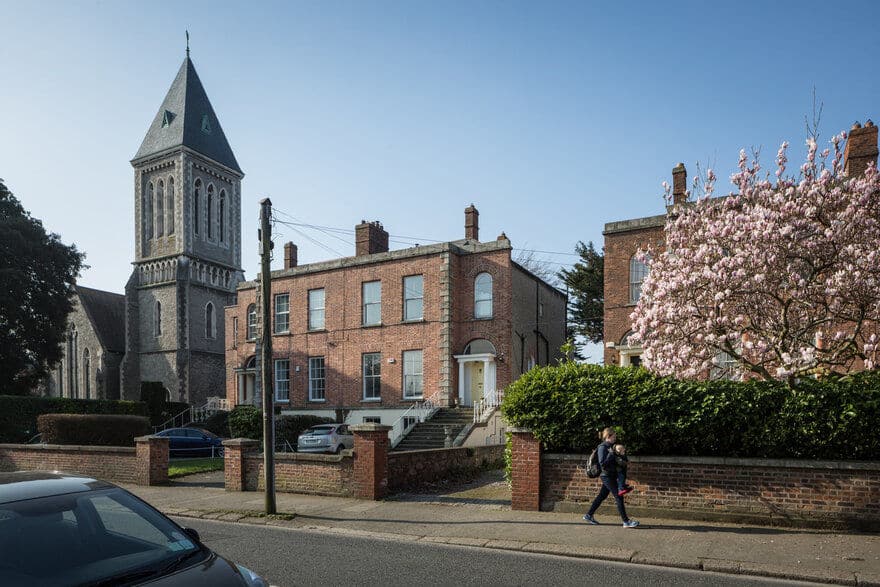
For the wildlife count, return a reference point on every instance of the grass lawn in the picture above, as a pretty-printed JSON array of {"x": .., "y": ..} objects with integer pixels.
[{"x": 181, "y": 467}]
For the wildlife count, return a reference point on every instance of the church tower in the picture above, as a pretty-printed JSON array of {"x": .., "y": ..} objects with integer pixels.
[{"x": 187, "y": 195}]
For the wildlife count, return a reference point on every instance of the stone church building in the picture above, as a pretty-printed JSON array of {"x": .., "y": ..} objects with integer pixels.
[{"x": 168, "y": 327}]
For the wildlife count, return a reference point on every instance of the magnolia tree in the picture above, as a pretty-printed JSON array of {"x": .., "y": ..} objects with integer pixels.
[{"x": 781, "y": 278}]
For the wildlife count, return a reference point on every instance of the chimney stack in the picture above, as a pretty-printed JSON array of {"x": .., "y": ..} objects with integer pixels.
[
  {"x": 370, "y": 238},
  {"x": 861, "y": 149},
  {"x": 290, "y": 251},
  {"x": 471, "y": 224},
  {"x": 679, "y": 184}
]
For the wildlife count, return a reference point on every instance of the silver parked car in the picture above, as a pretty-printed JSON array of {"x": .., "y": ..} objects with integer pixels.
[{"x": 333, "y": 438}]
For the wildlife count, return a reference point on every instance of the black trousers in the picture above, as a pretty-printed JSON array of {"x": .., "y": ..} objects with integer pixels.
[{"x": 609, "y": 485}]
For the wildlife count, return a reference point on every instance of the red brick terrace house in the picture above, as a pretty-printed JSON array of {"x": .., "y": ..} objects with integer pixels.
[
  {"x": 368, "y": 337},
  {"x": 624, "y": 272}
]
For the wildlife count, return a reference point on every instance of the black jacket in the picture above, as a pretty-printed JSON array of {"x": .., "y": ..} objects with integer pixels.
[{"x": 607, "y": 462}]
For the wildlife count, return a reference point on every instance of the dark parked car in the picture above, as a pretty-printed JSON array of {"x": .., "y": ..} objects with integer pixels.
[
  {"x": 64, "y": 530},
  {"x": 193, "y": 442}
]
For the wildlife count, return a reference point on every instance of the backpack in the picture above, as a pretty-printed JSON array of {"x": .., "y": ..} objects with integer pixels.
[{"x": 593, "y": 468}]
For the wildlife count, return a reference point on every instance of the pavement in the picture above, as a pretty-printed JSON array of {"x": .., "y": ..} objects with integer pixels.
[{"x": 472, "y": 517}]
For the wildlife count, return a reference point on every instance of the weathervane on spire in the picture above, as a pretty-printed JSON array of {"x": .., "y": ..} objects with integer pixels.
[{"x": 187, "y": 44}]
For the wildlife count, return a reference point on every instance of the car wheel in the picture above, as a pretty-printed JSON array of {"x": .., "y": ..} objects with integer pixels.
[{"x": 339, "y": 448}]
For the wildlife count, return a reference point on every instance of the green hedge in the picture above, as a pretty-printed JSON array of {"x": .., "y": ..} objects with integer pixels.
[
  {"x": 92, "y": 429},
  {"x": 567, "y": 405},
  {"x": 247, "y": 422},
  {"x": 218, "y": 423},
  {"x": 18, "y": 414}
]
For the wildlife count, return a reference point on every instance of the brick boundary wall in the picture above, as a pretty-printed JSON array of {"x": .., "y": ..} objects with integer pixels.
[
  {"x": 369, "y": 471},
  {"x": 525, "y": 470},
  {"x": 775, "y": 491},
  {"x": 314, "y": 474},
  {"x": 145, "y": 464},
  {"x": 411, "y": 469}
]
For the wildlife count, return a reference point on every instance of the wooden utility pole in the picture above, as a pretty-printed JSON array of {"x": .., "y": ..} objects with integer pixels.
[{"x": 266, "y": 353}]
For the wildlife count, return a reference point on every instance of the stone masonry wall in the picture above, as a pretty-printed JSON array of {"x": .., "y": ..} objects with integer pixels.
[{"x": 410, "y": 469}]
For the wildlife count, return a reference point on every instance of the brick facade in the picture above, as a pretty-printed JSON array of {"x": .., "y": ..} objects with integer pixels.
[
  {"x": 622, "y": 241},
  {"x": 624, "y": 238},
  {"x": 789, "y": 492},
  {"x": 446, "y": 326},
  {"x": 145, "y": 464}
]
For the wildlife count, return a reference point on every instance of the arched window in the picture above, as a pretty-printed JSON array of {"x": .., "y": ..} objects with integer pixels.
[
  {"x": 209, "y": 217},
  {"x": 483, "y": 296},
  {"x": 637, "y": 273},
  {"x": 479, "y": 346},
  {"x": 252, "y": 322},
  {"x": 157, "y": 320},
  {"x": 73, "y": 363},
  {"x": 197, "y": 205},
  {"x": 170, "y": 207},
  {"x": 222, "y": 216},
  {"x": 148, "y": 212},
  {"x": 210, "y": 322},
  {"x": 160, "y": 208},
  {"x": 87, "y": 383}
]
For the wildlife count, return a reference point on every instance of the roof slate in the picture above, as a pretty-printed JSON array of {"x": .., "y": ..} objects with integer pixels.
[
  {"x": 188, "y": 104},
  {"x": 106, "y": 310}
]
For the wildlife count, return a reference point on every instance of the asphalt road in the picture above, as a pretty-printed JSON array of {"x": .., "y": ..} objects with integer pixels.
[{"x": 289, "y": 558}]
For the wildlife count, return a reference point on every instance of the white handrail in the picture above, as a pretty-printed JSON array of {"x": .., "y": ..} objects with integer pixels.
[
  {"x": 214, "y": 404},
  {"x": 421, "y": 410},
  {"x": 484, "y": 408}
]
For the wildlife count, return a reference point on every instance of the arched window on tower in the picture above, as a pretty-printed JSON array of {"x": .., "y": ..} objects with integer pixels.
[
  {"x": 157, "y": 319},
  {"x": 147, "y": 212},
  {"x": 210, "y": 322},
  {"x": 222, "y": 216},
  {"x": 197, "y": 205},
  {"x": 209, "y": 217},
  {"x": 160, "y": 208},
  {"x": 87, "y": 379},
  {"x": 169, "y": 209},
  {"x": 483, "y": 296}
]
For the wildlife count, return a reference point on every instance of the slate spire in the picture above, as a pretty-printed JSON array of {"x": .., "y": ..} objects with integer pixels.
[{"x": 186, "y": 119}]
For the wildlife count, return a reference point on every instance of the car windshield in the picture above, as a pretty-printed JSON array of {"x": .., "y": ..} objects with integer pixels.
[
  {"x": 320, "y": 430},
  {"x": 95, "y": 537}
]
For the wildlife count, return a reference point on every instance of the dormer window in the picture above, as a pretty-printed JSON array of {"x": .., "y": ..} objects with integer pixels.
[
  {"x": 167, "y": 118},
  {"x": 206, "y": 124}
]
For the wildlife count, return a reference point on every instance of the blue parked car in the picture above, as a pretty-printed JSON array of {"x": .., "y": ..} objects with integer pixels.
[{"x": 192, "y": 442}]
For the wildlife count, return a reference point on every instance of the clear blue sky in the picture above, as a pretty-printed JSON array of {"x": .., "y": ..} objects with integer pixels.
[{"x": 553, "y": 118}]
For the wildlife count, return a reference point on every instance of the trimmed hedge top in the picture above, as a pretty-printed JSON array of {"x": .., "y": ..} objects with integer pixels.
[
  {"x": 92, "y": 429},
  {"x": 834, "y": 418},
  {"x": 18, "y": 414}
]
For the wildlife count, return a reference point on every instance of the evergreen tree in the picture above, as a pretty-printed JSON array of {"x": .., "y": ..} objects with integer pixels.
[
  {"x": 586, "y": 292},
  {"x": 37, "y": 276}
]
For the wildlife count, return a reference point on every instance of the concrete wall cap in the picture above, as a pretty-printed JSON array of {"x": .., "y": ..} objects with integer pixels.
[
  {"x": 150, "y": 438},
  {"x": 519, "y": 430},
  {"x": 241, "y": 442},
  {"x": 68, "y": 448},
  {"x": 369, "y": 427}
]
